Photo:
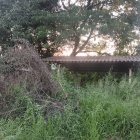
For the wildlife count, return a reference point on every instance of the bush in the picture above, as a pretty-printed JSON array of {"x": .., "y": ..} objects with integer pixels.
[
  {"x": 23, "y": 73},
  {"x": 107, "y": 110}
]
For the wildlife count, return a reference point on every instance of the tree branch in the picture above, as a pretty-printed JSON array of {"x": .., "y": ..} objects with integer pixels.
[
  {"x": 101, "y": 3},
  {"x": 76, "y": 45},
  {"x": 98, "y": 52},
  {"x": 75, "y": 2},
  {"x": 85, "y": 43},
  {"x": 64, "y": 6},
  {"x": 69, "y": 2}
]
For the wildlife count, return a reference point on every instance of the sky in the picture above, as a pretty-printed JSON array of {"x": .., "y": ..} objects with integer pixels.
[{"x": 67, "y": 49}]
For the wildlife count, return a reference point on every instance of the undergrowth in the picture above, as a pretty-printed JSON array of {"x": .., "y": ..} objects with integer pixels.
[{"x": 107, "y": 109}]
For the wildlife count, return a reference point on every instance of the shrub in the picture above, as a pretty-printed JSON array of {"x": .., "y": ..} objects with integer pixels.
[{"x": 107, "y": 110}]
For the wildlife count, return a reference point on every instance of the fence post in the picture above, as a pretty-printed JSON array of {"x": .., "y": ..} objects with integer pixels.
[{"x": 130, "y": 75}]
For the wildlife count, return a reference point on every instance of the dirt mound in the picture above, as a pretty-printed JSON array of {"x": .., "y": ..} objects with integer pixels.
[{"x": 22, "y": 65}]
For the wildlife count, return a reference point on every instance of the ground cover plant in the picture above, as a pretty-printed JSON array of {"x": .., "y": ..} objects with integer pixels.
[
  {"x": 103, "y": 110},
  {"x": 39, "y": 104}
]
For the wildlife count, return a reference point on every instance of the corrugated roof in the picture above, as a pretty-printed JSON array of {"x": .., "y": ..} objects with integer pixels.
[
  {"x": 83, "y": 59},
  {"x": 97, "y": 63}
]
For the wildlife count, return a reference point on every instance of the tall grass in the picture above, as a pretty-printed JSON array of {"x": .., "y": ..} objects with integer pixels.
[{"x": 105, "y": 110}]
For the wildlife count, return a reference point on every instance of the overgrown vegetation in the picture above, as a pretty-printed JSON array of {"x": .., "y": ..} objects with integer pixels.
[
  {"x": 36, "y": 106},
  {"x": 23, "y": 73},
  {"x": 49, "y": 24},
  {"x": 103, "y": 110}
]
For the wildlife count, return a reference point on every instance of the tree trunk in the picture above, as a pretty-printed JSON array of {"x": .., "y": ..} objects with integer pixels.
[{"x": 76, "y": 45}]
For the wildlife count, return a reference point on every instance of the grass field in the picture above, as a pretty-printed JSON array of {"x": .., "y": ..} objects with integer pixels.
[{"x": 103, "y": 110}]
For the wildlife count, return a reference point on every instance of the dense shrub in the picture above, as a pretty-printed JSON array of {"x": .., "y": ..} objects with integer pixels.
[
  {"x": 23, "y": 73},
  {"x": 107, "y": 110}
]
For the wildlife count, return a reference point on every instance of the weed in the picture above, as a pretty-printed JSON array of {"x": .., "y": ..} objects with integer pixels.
[{"x": 106, "y": 110}]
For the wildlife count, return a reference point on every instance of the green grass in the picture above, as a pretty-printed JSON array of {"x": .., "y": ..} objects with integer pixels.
[{"x": 105, "y": 110}]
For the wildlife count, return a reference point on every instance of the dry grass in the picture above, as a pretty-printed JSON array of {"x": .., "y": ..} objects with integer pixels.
[{"x": 22, "y": 66}]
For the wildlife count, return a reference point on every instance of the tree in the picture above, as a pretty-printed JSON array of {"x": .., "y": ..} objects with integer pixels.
[
  {"x": 5, "y": 32},
  {"x": 84, "y": 17},
  {"x": 52, "y": 23},
  {"x": 30, "y": 19}
]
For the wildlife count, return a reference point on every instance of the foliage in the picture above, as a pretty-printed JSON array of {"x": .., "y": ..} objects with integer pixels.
[
  {"x": 23, "y": 72},
  {"x": 102, "y": 111},
  {"x": 29, "y": 19},
  {"x": 87, "y": 17},
  {"x": 50, "y": 24}
]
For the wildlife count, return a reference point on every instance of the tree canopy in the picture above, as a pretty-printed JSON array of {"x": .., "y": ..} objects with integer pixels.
[
  {"x": 29, "y": 19},
  {"x": 49, "y": 24}
]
